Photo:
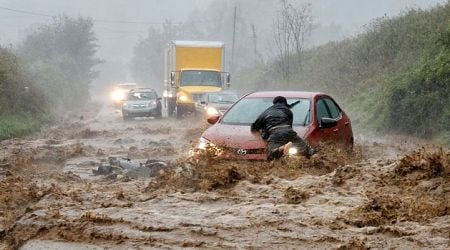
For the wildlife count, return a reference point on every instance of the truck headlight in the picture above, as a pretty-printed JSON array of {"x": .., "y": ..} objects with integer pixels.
[{"x": 183, "y": 98}]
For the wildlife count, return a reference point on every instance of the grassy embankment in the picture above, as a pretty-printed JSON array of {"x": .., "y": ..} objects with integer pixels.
[
  {"x": 392, "y": 78},
  {"x": 22, "y": 106},
  {"x": 48, "y": 74}
]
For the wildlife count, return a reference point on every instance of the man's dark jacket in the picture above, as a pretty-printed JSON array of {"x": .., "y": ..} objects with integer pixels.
[
  {"x": 275, "y": 125},
  {"x": 277, "y": 116}
]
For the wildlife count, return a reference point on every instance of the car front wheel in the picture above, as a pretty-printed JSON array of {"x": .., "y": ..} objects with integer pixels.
[{"x": 349, "y": 147}]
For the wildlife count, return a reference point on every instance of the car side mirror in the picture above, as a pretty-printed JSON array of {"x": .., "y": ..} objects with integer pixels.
[
  {"x": 213, "y": 119},
  {"x": 326, "y": 122}
]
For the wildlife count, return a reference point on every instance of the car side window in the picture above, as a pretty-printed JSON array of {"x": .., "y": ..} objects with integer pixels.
[
  {"x": 334, "y": 110},
  {"x": 321, "y": 110}
]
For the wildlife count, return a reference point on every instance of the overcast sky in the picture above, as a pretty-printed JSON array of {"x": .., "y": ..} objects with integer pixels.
[{"x": 131, "y": 18}]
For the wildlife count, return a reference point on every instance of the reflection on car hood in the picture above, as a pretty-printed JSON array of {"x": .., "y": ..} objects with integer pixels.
[
  {"x": 220, "y": 106},
  {"x": 239, "y": 136}
]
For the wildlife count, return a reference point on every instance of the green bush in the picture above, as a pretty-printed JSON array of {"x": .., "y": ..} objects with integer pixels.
[
  {"x": 48, "y": 75},
  {"x": 11, "y": 127},
  {"x": 419, "y": 102},
  {"x": 60, "y": 58},
  {"x": 392, "y": 78}
]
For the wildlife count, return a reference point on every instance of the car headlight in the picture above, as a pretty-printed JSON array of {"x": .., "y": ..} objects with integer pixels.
[
  {"x": 203, "y": 143},
  {"x": 205, "y": 146},
  {"x": 293, "y": 151},
  {"x": 125, "y": 105},
  {"x": 211, "y": 111},
  {"x": 183, "y": 98},
  {"x": 118, "y": 95}
]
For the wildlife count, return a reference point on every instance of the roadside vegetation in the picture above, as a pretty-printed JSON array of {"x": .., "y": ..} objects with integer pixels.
[
  {"x": 392, "y": 78},
  {"x": 23, "y": 106},
  {"x": 47, "y": 75}
]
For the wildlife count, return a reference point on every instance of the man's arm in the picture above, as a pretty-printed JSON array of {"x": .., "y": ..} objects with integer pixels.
[
  {"x": 258, "y": 124},
  {"x": 291, "y": 118}
]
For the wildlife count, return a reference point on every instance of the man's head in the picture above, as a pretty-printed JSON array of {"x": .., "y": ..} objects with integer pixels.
[{"x": 280, "y": 99}]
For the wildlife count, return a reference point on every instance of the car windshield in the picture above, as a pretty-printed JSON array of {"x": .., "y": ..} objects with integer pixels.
[
  {"x": 247, "y": 110},
  {"x": 222, "y": 98},
  {"x": 200, "y": 78},
  {"x": 135, "y": 96}
]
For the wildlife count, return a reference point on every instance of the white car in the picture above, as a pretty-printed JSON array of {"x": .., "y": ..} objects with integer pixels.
[{"x": 141, "y": 102}]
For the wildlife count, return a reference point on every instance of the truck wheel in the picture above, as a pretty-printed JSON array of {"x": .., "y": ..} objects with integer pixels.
[
  {"x": 179, "y": 112},
  {"x": 171, "y": 106}
]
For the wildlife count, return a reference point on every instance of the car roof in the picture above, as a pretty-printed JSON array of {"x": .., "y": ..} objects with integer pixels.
[
  {"x": 287, "y": 94},
  {"x": 142, "y": 89}
]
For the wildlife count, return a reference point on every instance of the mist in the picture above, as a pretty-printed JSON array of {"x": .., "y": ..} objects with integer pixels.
[
  {"x": 119, "y": 24},
  {"x": 149, "y": 124}
]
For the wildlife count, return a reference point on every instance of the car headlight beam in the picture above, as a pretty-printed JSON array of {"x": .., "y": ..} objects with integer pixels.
[
  {"x": 118, "y": 95},
  {"x": 203, "y": 143},
  {"x": 293, "y": 151}
]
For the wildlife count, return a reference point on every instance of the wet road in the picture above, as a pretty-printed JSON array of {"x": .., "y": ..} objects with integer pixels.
[{"x": 52, "y": 200}]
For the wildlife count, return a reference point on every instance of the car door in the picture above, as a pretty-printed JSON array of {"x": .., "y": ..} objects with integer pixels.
[
  {"x": 341, "y": 129},
  {"x": 325, "y": 108}
]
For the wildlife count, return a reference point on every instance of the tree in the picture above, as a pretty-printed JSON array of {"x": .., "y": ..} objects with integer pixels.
[
  {"x": 147, "y": 64},
  {"x": 61, "y": 57},
  {"x": 18, "y": 96},
  {"x": 292, "y": 27}
]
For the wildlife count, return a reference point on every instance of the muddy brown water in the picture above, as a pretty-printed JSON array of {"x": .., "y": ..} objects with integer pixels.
[{"x": 387, "y": 195}]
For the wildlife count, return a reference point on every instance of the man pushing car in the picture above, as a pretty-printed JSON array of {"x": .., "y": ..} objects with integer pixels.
[{"x": 275, "y": 127}]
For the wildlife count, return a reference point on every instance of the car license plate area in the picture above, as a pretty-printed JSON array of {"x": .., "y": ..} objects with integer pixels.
[{"x": 138, "y": 106}]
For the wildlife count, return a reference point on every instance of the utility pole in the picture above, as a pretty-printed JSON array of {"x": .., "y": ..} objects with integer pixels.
[{"x": 233, "y": 41}]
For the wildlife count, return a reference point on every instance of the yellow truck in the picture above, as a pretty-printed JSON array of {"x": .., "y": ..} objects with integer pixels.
[{"x": 192, "y": 69}]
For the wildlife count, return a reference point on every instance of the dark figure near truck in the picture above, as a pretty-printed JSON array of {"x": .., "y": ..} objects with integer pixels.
[{"x": 275, "y": 127}]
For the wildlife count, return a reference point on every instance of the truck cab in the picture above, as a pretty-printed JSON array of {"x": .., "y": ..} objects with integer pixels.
[{"x": 193, "y": 68}]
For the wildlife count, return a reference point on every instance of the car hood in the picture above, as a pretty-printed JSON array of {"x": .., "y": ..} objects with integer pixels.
[
  {"x": 239, "y": 136},
  {"x": 139, "y": 102}
]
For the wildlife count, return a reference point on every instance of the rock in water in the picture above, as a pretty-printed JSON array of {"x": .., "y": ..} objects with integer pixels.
[{"x": 103, "y": 169}]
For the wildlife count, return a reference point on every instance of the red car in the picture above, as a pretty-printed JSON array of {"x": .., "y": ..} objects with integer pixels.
[{"x": 317, "y": 118}]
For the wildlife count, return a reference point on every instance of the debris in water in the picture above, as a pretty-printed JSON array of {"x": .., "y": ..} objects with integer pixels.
[
  {"x": 103, "y": 169},
  {"x": 295, "y": 195}
]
